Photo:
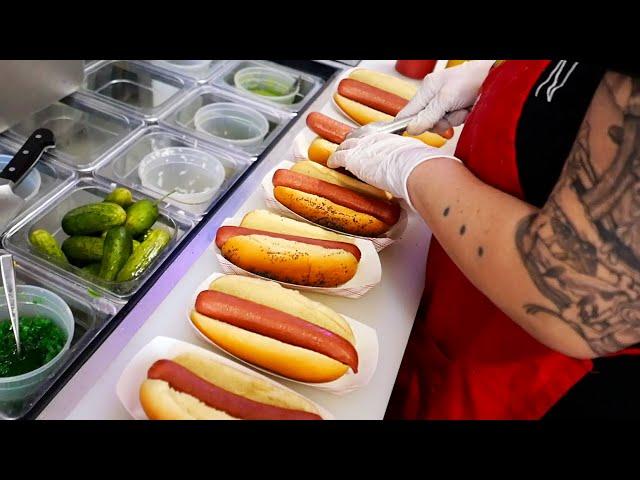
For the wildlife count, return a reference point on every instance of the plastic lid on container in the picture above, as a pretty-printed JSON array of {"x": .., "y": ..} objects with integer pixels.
[
  {"x": 234, "y": 123},
  {"x": 29, "y": 186},
  {"x": 270, "y": 84},
  {"x": 191, "y": 176}
]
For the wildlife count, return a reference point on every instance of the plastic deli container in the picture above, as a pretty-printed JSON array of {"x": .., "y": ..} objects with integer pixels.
[
  {"x": 49, "y": 216},
  {"x": 199, "y": 115},
  {"x": 85, "y": 131},
  {"x": 125, "y": 167},
  {"x": 232, "y": 123},
  {"x": 136, "y": 87},
  {"x": 35, "y": 301},
  {"x": 90, "y": 315},
  {"x": 268, "y": 82},
  {"x": 273, "y": 85},
  {"x": 199, "y": 70},
  {"x": 187, "y": 175}
]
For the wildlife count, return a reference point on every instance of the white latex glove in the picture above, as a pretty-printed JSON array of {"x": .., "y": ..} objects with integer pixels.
[
  {"x": 384, "y": 160},
  {"x": 445, "y": 97}
]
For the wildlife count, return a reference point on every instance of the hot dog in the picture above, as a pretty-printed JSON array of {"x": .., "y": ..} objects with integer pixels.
[
  {"x": 327, "y": 127},
  {"x": 276, "y": 254},
  {"x": 370, "y": 96},
  {"x": 192, "y": 386},
  {"x": 276, "y": 328},
  {"x": 227, "y": 232},
  {"x": 334, "y": 206},
  {"x": 273, "y": 323}
]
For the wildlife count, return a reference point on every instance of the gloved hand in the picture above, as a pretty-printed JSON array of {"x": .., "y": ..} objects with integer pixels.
[
  {"x": 384, "y": 160},
  {"x": 445, "y": 97}
]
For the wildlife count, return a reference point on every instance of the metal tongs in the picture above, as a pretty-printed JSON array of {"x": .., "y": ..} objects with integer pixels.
[
  {"x": 392, "y": 126},
  {"x": 9, "y": 282}
]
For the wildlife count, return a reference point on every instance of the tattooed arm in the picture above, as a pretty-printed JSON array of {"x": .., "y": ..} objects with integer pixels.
[{"x": 569, "y": 273}]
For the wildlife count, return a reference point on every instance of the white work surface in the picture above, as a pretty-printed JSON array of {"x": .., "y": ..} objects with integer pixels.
[{"x": 390, "y": 308}]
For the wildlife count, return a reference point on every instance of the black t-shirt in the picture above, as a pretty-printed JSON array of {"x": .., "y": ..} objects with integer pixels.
[{"x": 547, "y": 128}]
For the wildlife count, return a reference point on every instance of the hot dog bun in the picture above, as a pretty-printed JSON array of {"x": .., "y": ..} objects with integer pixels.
[
  {"x": 276, "y": 328},
  {"x": 271, "y": 222},
  {"x": 329, "y": 214},
  {"x": 320, "y": 150},
  {"x": 290, "y": 260},
  {"x": 386, "y": 82},
  {"x": 195, "y": 387}
]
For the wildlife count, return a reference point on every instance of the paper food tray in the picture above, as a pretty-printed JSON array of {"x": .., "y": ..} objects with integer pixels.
[
  {"x": 366, "y": 345},
  {"x": 128, "y": 388},
  {"x": 368, "y": 274}
]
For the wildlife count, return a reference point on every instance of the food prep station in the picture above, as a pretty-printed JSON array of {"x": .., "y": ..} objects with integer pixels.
[{"x": 123, "y": 112}]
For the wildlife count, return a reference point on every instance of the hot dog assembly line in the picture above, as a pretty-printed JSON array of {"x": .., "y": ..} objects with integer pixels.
[{"x": 174, "y": 245}]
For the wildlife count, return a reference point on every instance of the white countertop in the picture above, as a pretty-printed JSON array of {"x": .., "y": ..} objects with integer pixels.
[{"x": 390, "y": 308}]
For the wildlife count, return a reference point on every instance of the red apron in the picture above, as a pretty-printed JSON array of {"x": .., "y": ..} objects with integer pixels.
[{"x": 465, "y": 358}]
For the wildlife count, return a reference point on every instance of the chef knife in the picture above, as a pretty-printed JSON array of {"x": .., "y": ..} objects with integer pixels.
[{"x": 17, "y": 169}]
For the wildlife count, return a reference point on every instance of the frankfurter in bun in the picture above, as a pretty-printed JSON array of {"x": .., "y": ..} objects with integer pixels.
[
  {"x": 363, "y": 115},
  {"x": 289, "y": 258},
  {"x": 275, "y": 328},
  {"x": 338, "y": 202},
  {"x": 195, "y": 387},
  {"x": 371, "y": 96}
]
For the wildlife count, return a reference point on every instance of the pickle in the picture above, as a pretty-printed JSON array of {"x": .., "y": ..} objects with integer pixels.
[
  {"x": 93, "y": 218},
  {"x": 45, "y": 243},
  {"x": 93, "y": 269},
  {"x": 144, "y": 255},
  {"x": 118, "y": 247},
  {"x": 122, "y": 196},
  {"x": 83, "y": 248},
  {"x": 136, "y": 244},
  {"x": 140, "y": 217}
]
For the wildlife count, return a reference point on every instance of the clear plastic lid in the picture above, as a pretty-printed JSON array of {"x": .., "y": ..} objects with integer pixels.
[
  {"x": 124, "y": 166},
  {"x": 198, "y": 70},
  {"x": 48, "y": 216},
  {"x": 182, "y": 117},
  {"x": 85, "y": 131},
  {"x": 44, "y": 180},
  {"x": 303, "y": 85},
  {"x": 90, "y": 314},
  {"x": 136, "y": 87}
]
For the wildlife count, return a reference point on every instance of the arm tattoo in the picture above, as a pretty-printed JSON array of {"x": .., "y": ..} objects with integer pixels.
[{"x": 582, "y": 251}]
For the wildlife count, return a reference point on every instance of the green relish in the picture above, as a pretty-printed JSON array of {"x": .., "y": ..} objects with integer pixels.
[{"x": 41, "y": 339}]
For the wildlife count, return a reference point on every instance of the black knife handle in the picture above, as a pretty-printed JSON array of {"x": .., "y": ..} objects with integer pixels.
[{"x": 25, "y": 159}]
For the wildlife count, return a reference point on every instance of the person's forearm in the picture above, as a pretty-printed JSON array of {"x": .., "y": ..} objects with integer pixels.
[{"x": 476, "y": 224}]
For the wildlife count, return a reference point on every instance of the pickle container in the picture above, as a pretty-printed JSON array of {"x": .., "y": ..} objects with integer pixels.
[{"x": 48, "y": 216}]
